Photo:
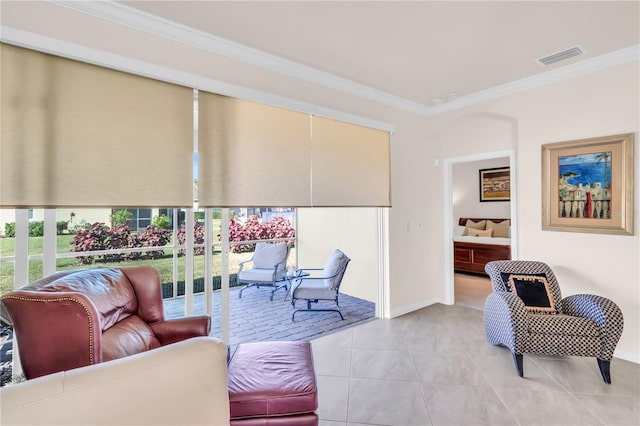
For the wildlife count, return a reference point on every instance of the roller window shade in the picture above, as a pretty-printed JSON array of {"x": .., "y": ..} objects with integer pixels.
[
  {"x": 79, "y": 135},
  {"x": 350, "y": 165},
  {"x": 251, "y": 154}
]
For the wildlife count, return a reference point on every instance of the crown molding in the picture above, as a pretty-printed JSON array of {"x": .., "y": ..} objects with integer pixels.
[
  {"x": 608, "y": 60},
  {"x": 142, "y": 21}
]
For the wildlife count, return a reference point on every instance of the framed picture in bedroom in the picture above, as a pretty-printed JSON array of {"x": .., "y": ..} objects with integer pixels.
[
  {"x": 495, "y": 184},
  {"x": 587, "y": 185}
]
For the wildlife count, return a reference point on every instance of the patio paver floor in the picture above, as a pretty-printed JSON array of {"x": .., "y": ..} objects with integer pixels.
[{"x": 254, "y": 317}]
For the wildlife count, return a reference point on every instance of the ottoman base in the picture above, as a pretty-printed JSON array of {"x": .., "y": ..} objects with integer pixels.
[
  {"x": 310, "y": 419},
  {"x": 273, "y": 383}
]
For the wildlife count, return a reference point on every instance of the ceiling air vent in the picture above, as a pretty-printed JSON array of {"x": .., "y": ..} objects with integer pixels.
[{"x": 561, "y": 56}]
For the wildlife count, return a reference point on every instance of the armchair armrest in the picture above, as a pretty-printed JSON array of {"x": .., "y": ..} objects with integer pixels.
[
  {"x": 310, "y": 269},
  {"x": 298, "y": 280},
  {"x": 505, "y": 320},
  {"x": 36, "y": 317},
  {"x": 176, "y": 330},
  {"x": 604, "y": 312},
  {"x": 241, "y": 264}
]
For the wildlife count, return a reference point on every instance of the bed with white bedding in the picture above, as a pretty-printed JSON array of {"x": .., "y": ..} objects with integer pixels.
[{"x": 471, "y": 252}]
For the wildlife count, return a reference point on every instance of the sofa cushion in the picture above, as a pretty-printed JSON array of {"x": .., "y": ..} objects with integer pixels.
[
  {"x": 256, "y": 275},
  {"x": 272, "y": 379},
  {"x": 312, "y": 289},
  {"x": 562, "y": 325},
  {"x": 128, "y": 337}
]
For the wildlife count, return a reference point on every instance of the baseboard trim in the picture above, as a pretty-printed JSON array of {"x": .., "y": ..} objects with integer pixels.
[
  {"x": 627, "y": 356},
  {"x": 414, "y": 307}
]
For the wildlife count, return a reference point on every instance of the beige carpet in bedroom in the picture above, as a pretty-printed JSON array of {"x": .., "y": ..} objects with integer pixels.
[{"x": 471, "y": 290}]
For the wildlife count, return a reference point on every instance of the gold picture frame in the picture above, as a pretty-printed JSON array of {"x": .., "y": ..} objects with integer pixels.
[
  {"x": 587, "y": 185},
  {"x": 495, "y": 184}
]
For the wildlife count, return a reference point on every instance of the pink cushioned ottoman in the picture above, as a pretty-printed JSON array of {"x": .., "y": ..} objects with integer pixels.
[{"x": 273, "y": 383}]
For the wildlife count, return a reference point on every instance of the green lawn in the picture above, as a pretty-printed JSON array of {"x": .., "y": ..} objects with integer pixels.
[
  {"x": 35, "y": 245},
  {"x": 164, "y": 265}
]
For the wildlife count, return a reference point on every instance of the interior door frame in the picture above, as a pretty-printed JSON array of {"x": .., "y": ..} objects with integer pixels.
[{"x": 449, "y": 295}]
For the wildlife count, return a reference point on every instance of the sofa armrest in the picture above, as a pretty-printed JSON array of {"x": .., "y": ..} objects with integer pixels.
[
  {"x": 505, "y": 320},
  {"x": 176, "y": 330},
  {"x": 600, "y": 310},
  {"x": 44, "y": 319},
  {"x": 184, "y": 383}
]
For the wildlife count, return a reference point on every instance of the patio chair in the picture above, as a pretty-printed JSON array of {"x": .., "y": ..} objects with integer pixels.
[
  {"x": 267, "y": 268},
  {"x": 324, "y": 287},
  {"x": 527, "y": 313}
]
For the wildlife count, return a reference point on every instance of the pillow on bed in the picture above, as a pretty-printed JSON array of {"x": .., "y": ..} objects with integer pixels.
[
  {"x": 458, "y": 231},
  {"x": 500, "y": 229},
  {"x": 480, "y": 232},
  {"x": 474, "y": 225}
]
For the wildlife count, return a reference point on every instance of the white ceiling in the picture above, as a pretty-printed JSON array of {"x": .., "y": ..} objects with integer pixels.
[{"x": 416, "y": 50}]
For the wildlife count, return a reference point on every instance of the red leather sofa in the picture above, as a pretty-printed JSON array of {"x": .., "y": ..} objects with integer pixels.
[{"x": 73, "y": 319}]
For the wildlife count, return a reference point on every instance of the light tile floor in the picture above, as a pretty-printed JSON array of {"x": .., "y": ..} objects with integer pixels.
[{"x": 434, "y": 367}]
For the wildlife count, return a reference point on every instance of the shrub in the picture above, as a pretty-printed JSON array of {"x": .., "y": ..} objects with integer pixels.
[
  {"x": 80, "y": 226},
  {"x": 217, "y": 214},
  {"x": 161, "y": 221},
  {"x": 93, "y": 238},
  {"x": 118, "y": 237},
  {"x": 121, "y": 217},
  {"x": 100, "y": 237},
  {"x": 237, "y": 232},
  {"x": 10, "y": 229},
  {"x": 61, "y": 226},
  {"x": 36, "y": 229},
  {"x": 198, "y": 237},
  {"x": 152, "y": 236},
  {"x": 253, "y": 229},
  {"x": 279, "y": 227}
]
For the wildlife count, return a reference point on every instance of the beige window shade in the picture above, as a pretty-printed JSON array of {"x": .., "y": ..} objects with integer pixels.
[
  {"x": 350, "y": 165},
  {"x": 79, "y": 135},
  {"x": 251, "y": 154}
]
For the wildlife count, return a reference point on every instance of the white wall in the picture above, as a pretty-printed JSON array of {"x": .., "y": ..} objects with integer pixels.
[
  {"x": 352, "y": 230},
  {"x": 465, "y": 186},
  {"x": 601, "y": 103},
  {"x": 597, "y": 104}
]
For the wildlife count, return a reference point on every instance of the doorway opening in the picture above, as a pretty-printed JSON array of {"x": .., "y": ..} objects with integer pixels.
[{"x": 462, "y": 199}]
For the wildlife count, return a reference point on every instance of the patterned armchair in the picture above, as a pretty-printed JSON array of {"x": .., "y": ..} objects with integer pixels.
[{"x": 526, "y": 313}]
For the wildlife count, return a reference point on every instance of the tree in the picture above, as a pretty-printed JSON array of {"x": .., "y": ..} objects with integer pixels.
[
  {"x": 121, "y": 217},
  {"x": 605, "y": 157}
]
